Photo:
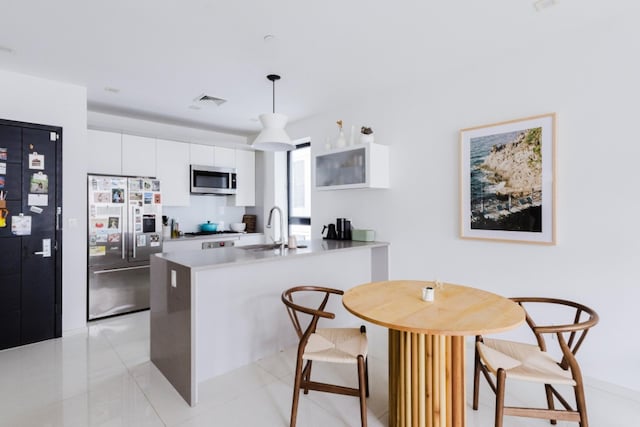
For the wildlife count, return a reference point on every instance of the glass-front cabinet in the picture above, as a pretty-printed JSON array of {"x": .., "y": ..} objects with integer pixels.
[{"x": 358, "y": 166}]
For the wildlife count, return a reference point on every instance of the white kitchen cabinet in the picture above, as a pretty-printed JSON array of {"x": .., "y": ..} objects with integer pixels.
[
  {"x": 105, "y": 152},
  {"x": 172, "y": 169},
  {"x": 138, "y": 155},
  {"x": 245, "y": 178},
  {"x": 224, "y": 157},
  {"x": 360, "y": 166},
  {"x": 202, "y": 154}
]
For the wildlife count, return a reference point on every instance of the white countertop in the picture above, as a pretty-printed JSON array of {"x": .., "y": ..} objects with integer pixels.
[{"x": 226, "y": 257}]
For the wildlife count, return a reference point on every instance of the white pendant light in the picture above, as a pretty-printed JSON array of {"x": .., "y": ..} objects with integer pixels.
[{"x": 273, "y": 136}]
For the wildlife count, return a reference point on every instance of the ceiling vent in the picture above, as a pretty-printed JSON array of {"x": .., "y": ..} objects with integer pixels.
[{"x": 208, "y": 100}]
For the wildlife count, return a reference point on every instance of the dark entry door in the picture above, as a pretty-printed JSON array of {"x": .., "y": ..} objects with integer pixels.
[{"x": 30, "y": 233}]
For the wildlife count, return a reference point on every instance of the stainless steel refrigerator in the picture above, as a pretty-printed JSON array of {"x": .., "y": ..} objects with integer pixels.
[{"x": 125, "y": 228}]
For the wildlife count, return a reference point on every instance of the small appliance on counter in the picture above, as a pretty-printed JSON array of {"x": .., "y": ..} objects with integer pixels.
[
  {"x": 363, "y": 235},
  {"x": 341, "y": 230},
  {"x": 166, "y": 228},
  {"x": 331, "y": 232}
]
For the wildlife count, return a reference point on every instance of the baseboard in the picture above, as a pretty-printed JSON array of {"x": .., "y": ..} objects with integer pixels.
[{"x": 617, "y": 390}]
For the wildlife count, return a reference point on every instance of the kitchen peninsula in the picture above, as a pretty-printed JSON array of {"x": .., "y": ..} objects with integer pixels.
[{"x": 215, "y": 310}]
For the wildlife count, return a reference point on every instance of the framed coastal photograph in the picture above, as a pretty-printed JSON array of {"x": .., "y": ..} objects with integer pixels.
[{"x": 507, "y": 181}]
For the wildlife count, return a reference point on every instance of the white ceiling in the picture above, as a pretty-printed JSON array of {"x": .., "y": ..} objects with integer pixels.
[{"x": 162, "y": 54}]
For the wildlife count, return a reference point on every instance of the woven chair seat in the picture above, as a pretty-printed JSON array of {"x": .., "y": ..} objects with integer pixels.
[
  {"x": 523, "y": 362},
  {"x": 499, "y": 360},
  {"x": 332, "y": 345},
  {"x": 336, "y": 345}
]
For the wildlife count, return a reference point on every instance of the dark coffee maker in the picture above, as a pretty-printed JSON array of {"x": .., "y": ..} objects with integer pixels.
[{"x": 343, "y": 228}]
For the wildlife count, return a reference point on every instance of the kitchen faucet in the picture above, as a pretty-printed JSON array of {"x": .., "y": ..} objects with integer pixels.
[{"x": 281, "y": 241}]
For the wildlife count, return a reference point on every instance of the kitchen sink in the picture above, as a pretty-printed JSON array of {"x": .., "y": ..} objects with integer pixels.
[{"x": 264, "y": 247}]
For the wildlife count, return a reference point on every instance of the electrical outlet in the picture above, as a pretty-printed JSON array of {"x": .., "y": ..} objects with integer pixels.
[{"x": 174, "y": 279}]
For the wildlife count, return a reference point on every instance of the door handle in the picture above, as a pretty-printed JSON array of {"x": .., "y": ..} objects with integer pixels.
[
  {"x": 46, "y": 249},
  {"x": 58, "y": 213}
]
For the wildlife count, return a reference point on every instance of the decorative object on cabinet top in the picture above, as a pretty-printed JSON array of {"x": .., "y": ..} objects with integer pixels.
[
  {"x": 366, "y": 134},
  {"x": 341, "y": 141},
  {"x": 363, "y": 136}
]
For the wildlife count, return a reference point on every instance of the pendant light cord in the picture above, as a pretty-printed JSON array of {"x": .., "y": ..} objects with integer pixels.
[{"x": 273, "y": 78}]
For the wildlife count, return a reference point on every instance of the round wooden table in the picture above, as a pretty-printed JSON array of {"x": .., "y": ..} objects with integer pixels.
[{"x": 426, "y": 343}]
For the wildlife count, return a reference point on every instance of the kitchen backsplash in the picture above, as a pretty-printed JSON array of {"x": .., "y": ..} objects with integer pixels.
[{"x": 203, "y": 209}]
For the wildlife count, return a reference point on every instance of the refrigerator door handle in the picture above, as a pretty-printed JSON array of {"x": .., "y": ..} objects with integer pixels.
[
  {"x": 133, "y": 231},
  {"x": 122, "y": 237}
]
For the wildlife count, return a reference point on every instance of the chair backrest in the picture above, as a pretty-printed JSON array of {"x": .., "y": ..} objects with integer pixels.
[
  {"x": 294, "y": 309},
  {"x": 570, "y": 335}
]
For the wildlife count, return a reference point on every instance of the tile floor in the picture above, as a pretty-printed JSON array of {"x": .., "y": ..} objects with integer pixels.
[{"x": 103, "y": 377}]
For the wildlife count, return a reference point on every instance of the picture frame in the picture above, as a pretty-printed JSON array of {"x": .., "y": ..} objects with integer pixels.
[{"x": 508, "y": 181}]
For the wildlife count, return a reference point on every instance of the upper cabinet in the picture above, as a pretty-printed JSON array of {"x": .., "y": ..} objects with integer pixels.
[
  {"x": 114, "y": 153},
  {"x": 138, "y": 155},
  {"x": 172, "y": 165},
  {"x": 202, "y": 154},
  {"x": 361, "y": 166},
  {"x": 245, "y": 178},
  {"x": 224, "y": 157},
  {"x": 105, "y": 152}
]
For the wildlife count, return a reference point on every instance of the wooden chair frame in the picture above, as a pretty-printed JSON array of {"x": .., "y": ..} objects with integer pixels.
[
  {"x": 303, "y": 374},
  {"x": 570, "y": 337}
]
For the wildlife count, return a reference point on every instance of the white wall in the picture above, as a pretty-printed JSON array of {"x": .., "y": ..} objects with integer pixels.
[
  {"x": 271, "y": 190},
  {"x": 34, "y": 100},
  {"x": 590, "y": 79}
]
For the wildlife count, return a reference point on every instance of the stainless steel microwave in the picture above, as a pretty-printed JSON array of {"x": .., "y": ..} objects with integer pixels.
[{"x": 212, "y": 180}]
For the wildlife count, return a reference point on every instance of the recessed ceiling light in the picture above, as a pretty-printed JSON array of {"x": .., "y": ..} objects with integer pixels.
[
  {"x": 543, "y": 4},
  {"x": 111, "y": 89},
  {"x": 5, "y": 49},
  {"x": 268, "y": 38}
]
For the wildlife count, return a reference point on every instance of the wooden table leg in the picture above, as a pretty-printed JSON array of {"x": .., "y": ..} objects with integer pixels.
[{"x": 426, "y": 380}]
